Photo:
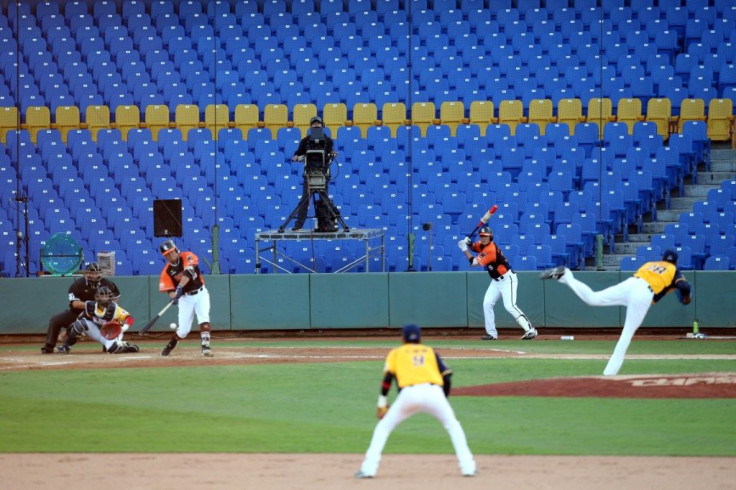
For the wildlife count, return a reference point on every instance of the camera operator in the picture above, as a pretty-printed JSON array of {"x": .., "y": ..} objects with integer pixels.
[{"x": 306, "y": 144}]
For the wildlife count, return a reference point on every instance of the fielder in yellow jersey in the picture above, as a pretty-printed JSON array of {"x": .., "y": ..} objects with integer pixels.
[
  {"x": 647, "y": 286},
  {"x": 424, "y": 385}
]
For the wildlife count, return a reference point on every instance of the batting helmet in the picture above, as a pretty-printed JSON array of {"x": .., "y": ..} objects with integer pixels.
[
  {"x": 168, "y": 246},
  {"x": 486, "y": 231},
  {"x": 104, "y": 295},
  {"x": 316, "y": 119},
  {"x": 412, "y": 333},
  {"x": 670, "y": 256}
]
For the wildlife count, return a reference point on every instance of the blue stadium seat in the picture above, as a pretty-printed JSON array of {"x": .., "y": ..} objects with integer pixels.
[{"x": 717, "y": 263}]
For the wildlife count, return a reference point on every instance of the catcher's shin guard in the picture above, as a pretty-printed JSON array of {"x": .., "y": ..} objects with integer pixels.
[{"x": 75, "y": 330}]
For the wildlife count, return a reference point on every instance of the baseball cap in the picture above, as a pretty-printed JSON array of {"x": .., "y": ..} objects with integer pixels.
[
  {"x": 670, "y": 256},
  {"x": 316, "y": 119},
  {"x": 411, "y": 333}
]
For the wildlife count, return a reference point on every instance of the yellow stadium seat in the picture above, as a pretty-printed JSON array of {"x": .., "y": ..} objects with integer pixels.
[
  {"x": 96, "y": 118},
  {"x": 365, "y": 115},
  {"x": 38, "y": 118},
  {"x": 127, "y": 117},
  {"x": 629, "y": 112},
  {"x": 186, "y": 118},
  {"x": 570, "y": 112},
  {"x": 423, "y": 114},
  {"x": 511, "y": 113},
  {"x": 275, "y": 116},
  {"x": 393, "y": 115},
  {"x": 158, "y": 117},
  {"x": 67, "y": 119},
  {"x": 452, "y": 113},
  {"x": 216, "y": 117},
  {"x": 541, "y": 113},
  {"x": 303, "y": 113},
  {"x": 659, "y": 111},
  {"x": 246, "y": 118},
  {"x": 335, "y": 115},
  {"x": 691, "y": 110},
  {"x": 8, "y": 120},
  {"x": 482, "y": 113},
  {"x": 600, "y": 112},
  {"x": 720, "y": 119}
]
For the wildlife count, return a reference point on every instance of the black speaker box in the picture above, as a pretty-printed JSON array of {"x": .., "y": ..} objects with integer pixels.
[{"x": 167, "y": 218}]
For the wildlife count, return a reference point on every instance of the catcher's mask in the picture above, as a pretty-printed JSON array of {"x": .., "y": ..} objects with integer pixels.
[
  {"x": 486, "y": 231},
  {"x": 167, "y": 247},
  {"x": 412, "y": 333},
  {"x": 104, "y": 295},
  {"x": 92, "y": 272}
]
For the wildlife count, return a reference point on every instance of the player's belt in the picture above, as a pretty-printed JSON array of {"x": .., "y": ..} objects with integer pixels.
[
  {"x": 192, "y": 293},
  {"x": 649, "y": 287},
  {"x": 501, "y": 277}
]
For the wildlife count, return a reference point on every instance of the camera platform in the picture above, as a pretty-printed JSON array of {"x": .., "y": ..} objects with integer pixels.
[{"x": 373, "y": 238}]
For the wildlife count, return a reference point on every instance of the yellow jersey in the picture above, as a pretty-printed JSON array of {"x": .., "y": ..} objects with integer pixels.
[
  {"x": 661, "y": 277},
  {"x": 413, "y": 364}
]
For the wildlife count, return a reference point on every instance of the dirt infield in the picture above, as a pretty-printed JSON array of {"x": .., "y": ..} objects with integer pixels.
[
  {"x": 709, "y": 385},
  {"x": 335, "y": 471}
]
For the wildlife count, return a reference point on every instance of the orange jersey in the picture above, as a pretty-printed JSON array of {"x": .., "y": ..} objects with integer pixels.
[
  {"x": 413, "y": 364},
  {"x": 491, "y": 258},
  {"x": 171, "y": 275}
]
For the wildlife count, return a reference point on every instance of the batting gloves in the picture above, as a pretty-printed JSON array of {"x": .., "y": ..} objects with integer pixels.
[{"x": 463, "y": 244}]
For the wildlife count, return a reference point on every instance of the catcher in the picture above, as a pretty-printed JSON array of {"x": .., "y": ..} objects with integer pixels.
[{"x": 104, "y": 321}]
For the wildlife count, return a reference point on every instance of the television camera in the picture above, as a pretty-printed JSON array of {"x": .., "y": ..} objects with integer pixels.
[{"x": 317, "y": 162}]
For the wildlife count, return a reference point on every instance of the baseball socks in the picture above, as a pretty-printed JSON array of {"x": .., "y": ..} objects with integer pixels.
[{"x": 205, "y": 335}]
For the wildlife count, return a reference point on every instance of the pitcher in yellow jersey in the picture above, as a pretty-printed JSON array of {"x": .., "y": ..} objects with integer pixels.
[
  {"x": 648, "y": 285},
  {"x": 423, "y": 381}
]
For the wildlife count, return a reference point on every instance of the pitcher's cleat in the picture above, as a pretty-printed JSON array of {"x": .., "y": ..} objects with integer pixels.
[{"x": 554, "y": 273}]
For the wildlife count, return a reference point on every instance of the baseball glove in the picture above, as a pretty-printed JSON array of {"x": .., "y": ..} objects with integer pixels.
[
  {"x": 381, "y": 411},
  {"x": 111, "y": 330}
]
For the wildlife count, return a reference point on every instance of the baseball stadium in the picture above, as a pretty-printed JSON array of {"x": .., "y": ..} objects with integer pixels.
[{"x": 227, "y": 226}]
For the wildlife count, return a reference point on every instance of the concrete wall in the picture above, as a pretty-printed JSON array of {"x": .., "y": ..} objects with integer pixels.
[{"x": 372, "y": 300}]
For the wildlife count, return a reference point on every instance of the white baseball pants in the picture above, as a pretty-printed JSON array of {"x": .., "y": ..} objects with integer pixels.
[
  {"x": 426, "y": 398},
  {"x": 633, "y": 293},
  {"x": 504, "y": 288},
  {"x": 190, "y": 305}
]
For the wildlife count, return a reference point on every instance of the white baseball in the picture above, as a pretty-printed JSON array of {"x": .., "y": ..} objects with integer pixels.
[{"x": 172, "y": 326}]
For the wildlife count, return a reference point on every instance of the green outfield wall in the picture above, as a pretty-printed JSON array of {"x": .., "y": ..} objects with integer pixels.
[{"x": 373, "y": 300}]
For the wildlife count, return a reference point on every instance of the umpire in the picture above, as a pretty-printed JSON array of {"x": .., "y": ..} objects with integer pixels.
[{"x": 81, "y": 290}]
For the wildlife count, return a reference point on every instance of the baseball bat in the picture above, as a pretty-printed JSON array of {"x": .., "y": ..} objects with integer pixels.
[
  {"x": 150, "y": 324},
  {"x": 484, "y": 219}
]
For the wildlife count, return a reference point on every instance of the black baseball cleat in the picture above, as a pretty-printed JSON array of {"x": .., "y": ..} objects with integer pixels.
[
  {"x": 47, "y": 350},
  {"x": 296, "y": 228},
  {"x": 555, "y": 273},
  {"x": 488, "y": 337},
  {"x": 167, "y": 350},
  {"x": 62, "y": 349}
]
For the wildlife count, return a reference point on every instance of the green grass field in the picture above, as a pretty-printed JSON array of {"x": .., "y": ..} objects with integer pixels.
[{"x": 329, "y": 407}]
